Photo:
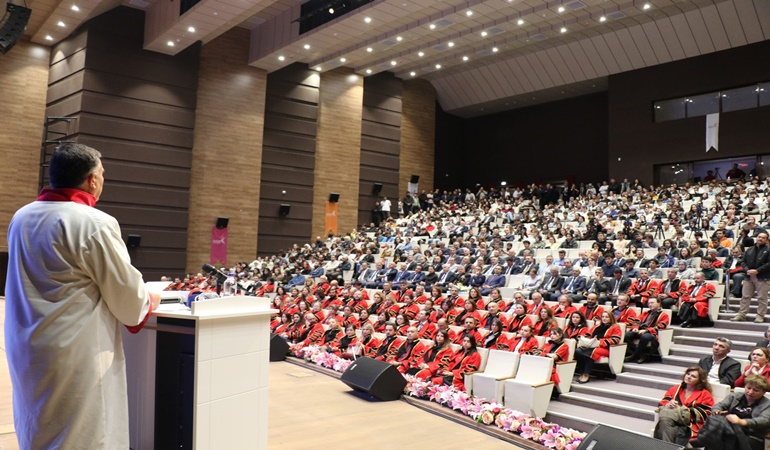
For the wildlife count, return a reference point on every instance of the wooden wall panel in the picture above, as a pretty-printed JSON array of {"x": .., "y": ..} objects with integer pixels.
[
  {"x": 227, "y": 156},
  {"x": 338, "y": 153},
  {"x": 380, "y": 143},
  {"x": 289, "y": 158},
  {"x": 418, "y": 134},
  {"x": 138, "y": 109}
]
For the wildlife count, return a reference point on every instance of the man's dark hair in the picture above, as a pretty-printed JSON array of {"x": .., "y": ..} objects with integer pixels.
[{"x": 71, "y": 164}]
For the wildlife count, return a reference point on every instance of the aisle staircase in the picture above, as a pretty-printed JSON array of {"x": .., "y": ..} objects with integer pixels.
[{"x": 628, "y": 401}]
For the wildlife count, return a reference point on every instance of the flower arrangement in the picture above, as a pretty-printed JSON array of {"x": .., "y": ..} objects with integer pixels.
[{"x": 481, "y": 410}]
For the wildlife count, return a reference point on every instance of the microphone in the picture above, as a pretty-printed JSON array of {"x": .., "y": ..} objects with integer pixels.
[{"x": 211, "y": 270}]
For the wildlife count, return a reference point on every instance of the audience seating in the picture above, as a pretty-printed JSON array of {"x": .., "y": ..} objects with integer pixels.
[
  {"x": 530, "y": 392},
  {"x": 488, "y": 384}
]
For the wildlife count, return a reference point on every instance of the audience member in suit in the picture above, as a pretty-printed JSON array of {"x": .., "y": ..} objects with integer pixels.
[
  {"x": 527, "y": 264},
  {"x": 497, "y": 279},
  {"x": 733, "y": 267},
  {"x": 551, "y": 283},
  {"x": 645, "y": 331},
  {"x": 477, "y": 279},
  {"x": 641, "y": 289},
  {"x": 668, "y": 291},
  {"x": 445, "y": 278},
  {"x": 571, "y": 287},
  {"x": 694, "y": 308},
  {"x": 617, "y": 285},
  {"x": 597, "y": 285},
  {"x": 720, "y": 367}
]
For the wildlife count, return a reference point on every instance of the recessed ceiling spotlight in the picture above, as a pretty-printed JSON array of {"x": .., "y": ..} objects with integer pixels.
[
  {"x": 421, "y": 54},
  {"x": 318, "y": 68},
  {"x": 368, "y": 70},
  {"x": 392, "y": 63},
  {"x": 561, "y": 9},
  {"x": 438, "y": 66},
  {"x": 61, "y": 24},
  {"x": 281, "y": 58},
  {"x": 465, "y": 58},
  {"x": 399, "y": 38},
  {"x": 646, "y": 6},
  {"x": 469, "y": 13},
  {"x": 450, "y": 44},
  {"x": 170, "y": 43},
  {"x": 563, "y": 30},
  {"x": 306, "y": 46},
  {"x": 603, "y": 19},
  {"x": 412, "y": 73},
  {"x": 520, "y": 22},
  {"x": 483, "y": 34},
  {"x": 342, "y": 60},
  {"x": 368, "y": 19},
  {"x": 191, "y": 29},
  {"x": 432, "y": 26},
  {"x": 495, "y": 49},
  {"x": 369, "y": 49},
  {"x": 48, "y": 37},
  {"x": 75, "y": 8},
  {"x": 331, "y": 10}
]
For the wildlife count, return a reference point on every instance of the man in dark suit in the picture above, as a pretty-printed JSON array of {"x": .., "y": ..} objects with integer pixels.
[
  {"x": 497, "y": 279},
  {"x": 596, "y": 285},
  {"x": 445, "y": 277},
  {"x": 525, "y": 265},
  {"x": 572, "y": 286},
  {"x": 729, "y": 369},
  {"x": 551, "y": 284},
  {"x": 668, "y": 290},
  {"x": 618, "y": 286}
]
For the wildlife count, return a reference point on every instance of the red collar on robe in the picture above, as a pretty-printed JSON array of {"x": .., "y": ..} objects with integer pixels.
[{"x": 66, "y": 195}]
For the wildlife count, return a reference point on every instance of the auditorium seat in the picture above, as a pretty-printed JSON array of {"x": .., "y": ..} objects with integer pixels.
[
  {"x": 530, "y": 391},
  {"x": 488, "y": 383}
]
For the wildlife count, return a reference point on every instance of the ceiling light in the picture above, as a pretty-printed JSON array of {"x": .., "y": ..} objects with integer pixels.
[
  {"x": 412, "y": 73},
  {"x": 432, "y": 26},
  {"x": 368, "y": 19},
  {"x": 191, "y": 29},
  {"x": 306, "y": 46},
  {"x": 450, "y": 44},
  {"x": 392, "y": 63},
  {"x": 342, "y": 60},
  {"x": 61, "y": 24},
  {"x": 318, "y": 68},
  {"x": 331, "y": 10},
  {"x": 438, "y": 66},
  {"x": 368, "y": 70},
  {"x": 483, "y": 34},
  {"x": 646, "y": 6},
  {"x": 48, "y": 37},
  {"x": 465, "y": 58},
  {"x": 170, "y": 43},
  {"x": 520, "y": 22},
  {"x": 561, "y": 9},
  {"x": 602, "y": 19},
  {"x": 469, "y": 13},
  {"x": 75, "y": 8},
  {"x": 563, "y": 30},
  {"x": 399, "y": 38},
  {"x": 281, "y": 58},
  {"x": 495, "y": 49},
  {"x": 369, "y": 49},
  {"x": 421, "y": 54}
]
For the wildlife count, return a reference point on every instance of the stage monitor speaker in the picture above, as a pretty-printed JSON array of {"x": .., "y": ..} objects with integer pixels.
[
  {"x": 377, "y": 188},
  {"x": 415, "y": 179},
  {"x": 13, "y": 28},
  {"x": 278, "y": 348},
  {"x": 376, "y": 378},
  {"x": 134, "y": 240},
  {"x": 222, "y": 222},
  {"x": 604, "y": 437},
  {"x": 334, "y": 197},
  {"x": 284, "y": 209}
]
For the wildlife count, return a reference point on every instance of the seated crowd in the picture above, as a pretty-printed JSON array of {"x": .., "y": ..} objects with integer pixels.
[{"x": 425, "y": 290}]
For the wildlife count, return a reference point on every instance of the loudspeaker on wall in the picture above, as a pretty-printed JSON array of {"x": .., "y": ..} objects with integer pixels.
[
  {"x": 284, "y": 209},
  {"x": 134, "y": 240},
  {"x": 334, "y": 197},
  {"x": 13, "y": 29},
  {"x": 377, "y": 188},
  {"x": 222, "y": 222},
  {"x": 414, "y": 179}
]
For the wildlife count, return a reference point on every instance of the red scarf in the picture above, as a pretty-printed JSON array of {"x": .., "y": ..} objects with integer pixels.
[{"x": 66, "y": 195}]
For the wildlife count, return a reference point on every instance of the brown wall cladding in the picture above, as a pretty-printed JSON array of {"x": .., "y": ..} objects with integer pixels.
[
  {"x": 380, "y": 142},
  {"x": 288, "y": 158},
  {"x": 138, "y": 109},
  {"x": 418, "y": 134}
]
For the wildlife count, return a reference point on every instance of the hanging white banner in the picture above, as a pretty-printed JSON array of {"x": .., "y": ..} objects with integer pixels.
[{"x": 712, "y": 132}]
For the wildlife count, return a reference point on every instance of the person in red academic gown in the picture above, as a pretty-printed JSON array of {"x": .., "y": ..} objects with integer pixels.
[
  {"x": 693, "y": 393},
  {"x": 608, "y": 333},
  {"x": 466, "y": 360},
  {"x": 436, "y": 359}
]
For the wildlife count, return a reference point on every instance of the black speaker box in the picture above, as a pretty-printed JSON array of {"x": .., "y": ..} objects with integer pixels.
[
  {"x": 604, "y": 437},
  {"x": 284, "y": 209},
  {"x": 13, "y": 28},
  {"x": 222, "y": 222},
  {"x": 376, "y": 378},
  {"x": 377, "y": 188},
  {"x": 134, "y": 240},
  {"x": 278, "y": 348},
  {"x": 334, "y": 197},
  {"x": 414, "y": 179}
]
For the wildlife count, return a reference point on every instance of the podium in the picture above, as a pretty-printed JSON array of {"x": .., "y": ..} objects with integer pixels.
[{"x": 197, "y": 379}]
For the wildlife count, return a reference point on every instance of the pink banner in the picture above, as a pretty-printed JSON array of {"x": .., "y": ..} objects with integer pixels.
[{"x": 218, "y": 245}]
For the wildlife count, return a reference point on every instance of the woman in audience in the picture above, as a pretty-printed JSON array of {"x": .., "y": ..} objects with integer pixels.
[
  {"x": 347, "y": 317},
  {"x": 530, "y": 282},
  {"x": 497, "y": 297},
  {"x": 474, "y": 295},
  {"x": 382, "y": 320},
  {"x": 284, "y": 326},
  {"x": 607, "y": 333},
  {"x": 377, "y": 302},
  {"x": 295, "y": 328},
  {"x": 348, "y": 345},
  {"x": 363, "y": 317},
  {"x": 465, "y": 360},
  {"x": 556, "y": 348},
  {"x": 436, "y": 359},
  {"x": 469, "y": 310},
  {"x": 519, "y": 318},
  {"x": 332, "y": 336},
  {"x": 695, "y": 249},
  {"x": 545, "y": 321},
  {"x": 691, "y": 398},
  {"x": 280, "y": 292},
  {"x": 525, "y": 342},
  {"x": 402, "y": 324},
  {"x": 759, "y": 357},
  {"x": 369, "y": 344},
  {"x": 436, "y": 296},
  {"x": 495, "y": 331}
]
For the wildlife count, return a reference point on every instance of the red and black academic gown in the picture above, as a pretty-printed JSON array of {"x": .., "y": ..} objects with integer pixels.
[
  {"x": 332, "y": 337},
  {"x": 314, "y": 335},
  {"x": 700, "y": 299},
  {"x": 370, "y": 346},
  {"x": 409, "y": 356},
  {"x": 535, "y": 310},
  {"x": 410, "y": 311},
  {"x": 610, "y": 336},
  {"x": 594, "y": 314},
  {"x": 389, "y": 348},
  {"x": 462, "y": 363},
  {"x": 699, "y": 402},
  {"x": 561, "y": 350},
  {"x": 526, "y": 347},
  {"x": 517, "y": 322},
  {"x": 741, "y": 381},
  {"x": 425, "y": 330},
  {"x": 623, "y": 316},
  {"x": 564, "y": 313},
  {"x": 458, "y": 339},
  {"x": 437, "y": 360}
]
